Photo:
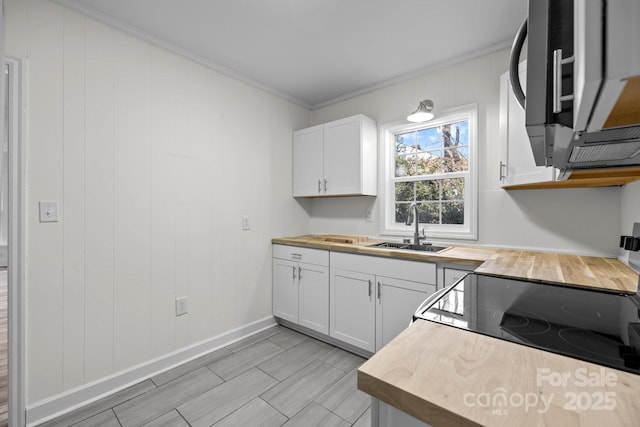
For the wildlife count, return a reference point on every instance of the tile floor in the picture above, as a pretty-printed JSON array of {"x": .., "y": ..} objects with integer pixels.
[{"x": 277, "y": 377}]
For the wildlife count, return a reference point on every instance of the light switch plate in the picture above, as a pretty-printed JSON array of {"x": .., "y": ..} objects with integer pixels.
[
  {"x": 181, "y": 306},
  {"x": 246, "y": 224},
  {"x": 48, "y": 211},
  {"x": 368, "y": 215}
]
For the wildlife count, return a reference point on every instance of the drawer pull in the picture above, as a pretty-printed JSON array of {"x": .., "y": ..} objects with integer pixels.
[{"x": 296, "y": 256}]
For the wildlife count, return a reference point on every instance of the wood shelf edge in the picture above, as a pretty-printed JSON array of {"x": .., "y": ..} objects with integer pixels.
[{"x": 586, "y": 179}]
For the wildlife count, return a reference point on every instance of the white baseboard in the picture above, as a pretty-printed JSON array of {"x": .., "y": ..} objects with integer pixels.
[{"x": 68, "y": 401}]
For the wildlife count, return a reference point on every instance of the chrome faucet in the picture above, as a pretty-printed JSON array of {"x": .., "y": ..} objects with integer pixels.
[{"x": 413, "y": 209}]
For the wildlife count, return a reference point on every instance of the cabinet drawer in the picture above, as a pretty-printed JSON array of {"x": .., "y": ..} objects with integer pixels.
[
  {"x": 427, "y": 288},
  {"x": 414, "y": 271},
  {"x": 294, "y": 253}
]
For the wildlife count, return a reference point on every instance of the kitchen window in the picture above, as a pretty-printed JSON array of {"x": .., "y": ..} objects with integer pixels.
[{"x": 433, "y": 165}]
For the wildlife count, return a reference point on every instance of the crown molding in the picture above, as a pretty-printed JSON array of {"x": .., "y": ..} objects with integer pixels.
[
  {"x": 417, "y": 73},
  {"x": 138, "y": 33}
]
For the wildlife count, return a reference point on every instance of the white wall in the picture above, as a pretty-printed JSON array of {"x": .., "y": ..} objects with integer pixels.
[
  {"x": 575, "y": 220},
  {"x": 153, "y": 163},
  {"x": 630, "y": 207}
]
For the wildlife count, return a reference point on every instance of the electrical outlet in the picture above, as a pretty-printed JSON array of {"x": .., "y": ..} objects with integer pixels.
[{"x": 181, "y": 306}]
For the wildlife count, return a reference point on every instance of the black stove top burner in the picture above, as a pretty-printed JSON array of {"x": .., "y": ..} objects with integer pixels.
[
  {"x": 524, "y": 324},
  {"x": 599, "y": 327},
  {"x": 592, "y": 344}
]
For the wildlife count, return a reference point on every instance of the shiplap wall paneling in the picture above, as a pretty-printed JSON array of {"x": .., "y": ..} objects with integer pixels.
[
  {"x": 99, "y": 201},
  {"x": 44, "y": 258},
  {"x": 73, "y": 222}
]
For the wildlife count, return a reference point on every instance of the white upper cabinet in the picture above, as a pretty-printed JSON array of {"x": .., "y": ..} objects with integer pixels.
[
  {"x": 517, "y": 166},
  {"x": 308, "y": 158},
  {"x": 338, "y": 158}
]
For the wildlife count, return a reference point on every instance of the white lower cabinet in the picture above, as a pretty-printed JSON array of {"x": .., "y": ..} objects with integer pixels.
[
  {"x": 363, "y": 301},
  {"x": 373, "y": 299},
  {"x": 397, "y": 300},
  {"x": 285, "y": 290},
  {"x": 313, "y": 297},
  {"x": 352, "y": 308},
  {"x": 301, "y": 289}
]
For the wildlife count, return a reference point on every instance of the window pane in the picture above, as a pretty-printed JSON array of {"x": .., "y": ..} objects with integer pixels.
[
  {"x": 463, "y": 151},
  {"x": 455, "y": 134},
  {"x": 410, "y": 165},
  {"x": 455, "y": 159},
  {"x": 429, "y": 212},
  {"x": 429, "y": 139},
  {"x": 452, "y": 212},
  {"x": 402, "y": 211},
  {"x": 429, "y": 162},
  {"x": 427, "y": 190},
  {"x": 460, "y": 132},
  {"x": 453, "y": 189},
  {"x": 404, "y": 191},
  {"x": 404, "y": 142},
  {"x": 405, "y": 154},
  {"x": 402, "y": 166}
]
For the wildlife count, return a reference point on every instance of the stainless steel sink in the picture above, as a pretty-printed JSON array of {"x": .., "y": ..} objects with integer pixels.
[{"x": 411, "y": 247}]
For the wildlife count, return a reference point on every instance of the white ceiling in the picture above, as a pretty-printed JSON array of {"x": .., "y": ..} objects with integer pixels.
[{"x": 315, "y": 52}]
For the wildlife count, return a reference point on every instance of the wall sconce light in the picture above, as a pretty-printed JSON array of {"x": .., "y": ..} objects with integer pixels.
[{"x": 423, "y": 113}]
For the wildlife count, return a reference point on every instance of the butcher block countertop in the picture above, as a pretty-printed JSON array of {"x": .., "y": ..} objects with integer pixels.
[
  {"x": 461, "y": 382},
  {"x": 607, "y": 274}
]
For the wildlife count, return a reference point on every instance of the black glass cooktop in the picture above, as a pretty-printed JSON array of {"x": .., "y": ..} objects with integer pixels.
[{"x": 599, "y": 327}]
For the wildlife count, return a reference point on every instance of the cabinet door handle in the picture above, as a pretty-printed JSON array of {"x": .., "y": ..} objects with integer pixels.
[
  {"x": 325, "y": 185},
  {"x": 379, "y": 290},
  {"x": 294, "y": 272},
  {"x": 558, "y": 62},
  {"x": 369, "y": 288},
  {"x": 319, "y": 183},
  {"x": 299, "y": 273},
  {"x": 502, "y": 167}
]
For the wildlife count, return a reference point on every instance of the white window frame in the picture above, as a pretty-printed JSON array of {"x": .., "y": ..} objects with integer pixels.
[{"x": 468, "y": 230}]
